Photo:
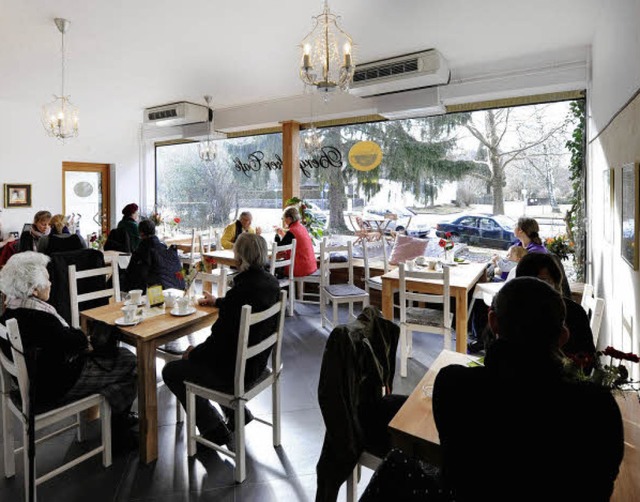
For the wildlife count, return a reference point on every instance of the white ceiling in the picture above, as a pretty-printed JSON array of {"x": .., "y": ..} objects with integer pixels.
[{"x": 140, "y": 53}]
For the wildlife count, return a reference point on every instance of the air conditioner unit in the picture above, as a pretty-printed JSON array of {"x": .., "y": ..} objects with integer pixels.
[
  {"x": 401, "y": 73},
  {"x": 176, "y": 114}
]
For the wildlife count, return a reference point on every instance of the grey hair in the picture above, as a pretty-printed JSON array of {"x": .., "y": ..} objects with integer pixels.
[
  {"x": 245, "y": 214},
  {"x": 251, "y": 251},
  {"x": 24, "y": 273},
  {"x": 292, "y": 212}
]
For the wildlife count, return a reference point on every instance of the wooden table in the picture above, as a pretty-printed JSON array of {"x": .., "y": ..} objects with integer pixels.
[
  {"x": 413, "y": 428},
  {"x": 146, "y": 337},
  {"x": 222, "y": 257},
  {"x": 462, "y": 280}
]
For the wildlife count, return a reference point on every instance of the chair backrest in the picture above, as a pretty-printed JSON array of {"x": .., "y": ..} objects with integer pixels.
[
  {"x": 16, "y": 368},
  {"x": 407, "y": 295},
  {"x": 219, "y": 279},
  {"x": 366, "y": 247},
  {"x": 283, "y": 256},
  {"x": 327, "y": 265},
  {"x": 594, "y": 307},
  {"x": 587, "y": 294},
  {"x": 76, "y": 299},
  {"x": 246, "y": 351},
  {"x": 206, "y": 241}
]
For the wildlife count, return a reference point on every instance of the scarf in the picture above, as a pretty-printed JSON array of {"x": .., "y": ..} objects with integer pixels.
[{"x": 33, "y": 303}]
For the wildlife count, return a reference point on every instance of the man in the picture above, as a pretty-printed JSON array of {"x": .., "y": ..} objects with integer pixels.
[{"x": 241, "y": 225}]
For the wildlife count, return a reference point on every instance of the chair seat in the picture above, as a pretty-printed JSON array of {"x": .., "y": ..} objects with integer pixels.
[
  {"x": 427, "y": 317},
  {"x": 344, "y": 290},
  {"x": 375, "y": 282}
]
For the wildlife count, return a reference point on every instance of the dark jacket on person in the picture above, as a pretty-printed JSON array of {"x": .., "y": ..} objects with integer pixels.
[
  {"x": 130, "y": 226},
  {"x": 118, "y": 240},
  {"x": 61, "y": 358},
  {"x": 58, "y": 243},
  {"x": 255, "y": 287},
  {"x": 154, "y": 263},
  {"x": 358, "y": 363},
  {"x": 28, "y": 241},
  {"x": 538, "y": 434}
]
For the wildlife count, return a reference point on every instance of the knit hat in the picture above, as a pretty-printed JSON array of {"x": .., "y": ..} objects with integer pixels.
[{"x": 129, "y": 209}]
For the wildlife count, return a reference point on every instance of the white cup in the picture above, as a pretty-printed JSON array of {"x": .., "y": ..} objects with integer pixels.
[
  {"x": 183, "y": 304},
  {"x": 170, "y": 299},
  {"x": 134, "y": 296},
  {"x": 129, "y": 312},
  {"x": 431, "y": 264}
]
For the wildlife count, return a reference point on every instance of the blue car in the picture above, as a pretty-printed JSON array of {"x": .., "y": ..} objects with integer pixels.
[{"x": 494, "y": 231}]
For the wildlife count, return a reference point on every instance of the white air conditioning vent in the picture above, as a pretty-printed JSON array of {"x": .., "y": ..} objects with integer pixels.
[
  {"x": 176, "y": 114},
  {"x": 399, "y": 74}
]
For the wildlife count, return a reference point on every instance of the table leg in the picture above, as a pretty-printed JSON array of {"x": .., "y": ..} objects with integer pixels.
[
  {"x": 147, "y": 401},
  {"x": 461, "y": 320},
  {"x": 387, "y": 300}
]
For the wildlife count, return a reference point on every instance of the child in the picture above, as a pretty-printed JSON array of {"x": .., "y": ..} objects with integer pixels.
[{"x": 504, "y": 266}]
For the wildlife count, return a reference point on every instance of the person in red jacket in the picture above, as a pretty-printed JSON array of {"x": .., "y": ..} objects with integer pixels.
[{"x": 305, "y": 259}]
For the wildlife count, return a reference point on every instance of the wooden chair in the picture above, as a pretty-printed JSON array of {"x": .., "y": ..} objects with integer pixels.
[
  {"x": 76, "y": 299},
  {"x": 594, "y": 307},
  {"x": 20, "y": 407},
  {"x": 364, "y": 232},
  {"x": 374, "y": 282},
  {"x": 241, "y": 395},
  {"x": 289, "y": 280},
  {"x": 189, "y": 259},
  {"x": 368, "y": 460},
  {"x": 338, "y": 293},
  {"x": 426, "y": 320}
]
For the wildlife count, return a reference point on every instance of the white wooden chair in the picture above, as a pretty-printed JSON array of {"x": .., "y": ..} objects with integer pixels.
[
  {"x": 20, "y": 408},
  {"x": 374, "y": 282},
  {"x": 426, "y": 320},
  {"x": 368, "y": 460},
  {"x": 189, "y": 259},
  {"x": 289, "y": 280},
  {"x": 594, "y": 307},
  {"x": 76, "y": 299},
  {"x": 338, "y": 293},
  {"x": 241, "y": 395}
]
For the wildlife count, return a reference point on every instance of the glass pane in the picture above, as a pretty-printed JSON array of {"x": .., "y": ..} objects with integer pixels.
[{"x": 83, "y": 198}]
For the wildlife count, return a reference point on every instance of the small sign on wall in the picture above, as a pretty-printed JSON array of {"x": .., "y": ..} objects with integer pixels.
[{"x": 17, "y": 195}]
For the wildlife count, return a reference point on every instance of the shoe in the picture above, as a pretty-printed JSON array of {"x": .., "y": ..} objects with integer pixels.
[
  {"x": 221, "y": 435},
  {"x": 124, "y": 421},
  {"x": 475, "y": 347},
  {"x": 231, "y": 419}
]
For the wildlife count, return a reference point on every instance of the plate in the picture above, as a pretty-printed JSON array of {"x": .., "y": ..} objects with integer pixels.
[
  {"x": 463, "y": 262},
  {"x": 121, "y": 322},
  {"x": 141, "y": 303},
  {"x": 189, "y": 311}
]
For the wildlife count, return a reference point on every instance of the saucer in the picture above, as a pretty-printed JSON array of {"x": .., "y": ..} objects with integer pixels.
[
  {"x": 121, "y": 322},
  {"x": 141, "y": 303},
  {"x": 189, "y": 311}
]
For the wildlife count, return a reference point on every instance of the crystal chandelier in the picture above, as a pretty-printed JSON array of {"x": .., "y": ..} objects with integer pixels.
[
  {"x": 327, "y": 62},
  {"x": 207, "y": 148},
  {"x": 60, "y": 117}
]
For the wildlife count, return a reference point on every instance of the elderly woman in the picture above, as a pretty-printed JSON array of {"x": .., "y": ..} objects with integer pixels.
[
  {"x": 129, "y": 223},
  {"x": 39, "y": 228},
  {"x": 305, "y": 259},
  {"x": 212, "y": 363},
  {"x": 66, "y": 370}
]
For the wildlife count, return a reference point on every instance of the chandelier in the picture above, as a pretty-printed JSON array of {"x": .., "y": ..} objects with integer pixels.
[
  {"x": 207, "y": 148},
  {"x": 60, "y": 117},
  {"x": 327, "y": 62}
]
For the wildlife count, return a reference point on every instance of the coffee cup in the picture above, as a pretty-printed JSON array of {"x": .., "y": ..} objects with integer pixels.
[
  {"x": 134, "y": 296},
  {"x": 170, "y": 299},
  {"x": 183, "y": 304},
  {"x": 431, "y": 264},
  {"x": 129, "y": 312}
]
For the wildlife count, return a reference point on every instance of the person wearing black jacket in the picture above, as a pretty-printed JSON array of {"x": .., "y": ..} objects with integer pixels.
[{"x": 212, "y": 363}]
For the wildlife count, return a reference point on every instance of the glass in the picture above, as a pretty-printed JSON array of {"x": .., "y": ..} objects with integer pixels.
[{"x": 83, "y": 198}]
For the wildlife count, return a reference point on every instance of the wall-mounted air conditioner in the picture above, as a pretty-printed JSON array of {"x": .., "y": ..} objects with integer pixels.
[
  {"x": 180, "y": 113},
  {"x": 401, "y": 73}
]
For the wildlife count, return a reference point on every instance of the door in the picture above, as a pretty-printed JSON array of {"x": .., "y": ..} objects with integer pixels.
[{"x": 85, "y": 189}]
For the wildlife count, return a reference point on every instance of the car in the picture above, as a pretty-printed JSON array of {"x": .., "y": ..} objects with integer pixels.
[
  {"x": 405, "y": 220},
  {"x": 494, "y": 231}
]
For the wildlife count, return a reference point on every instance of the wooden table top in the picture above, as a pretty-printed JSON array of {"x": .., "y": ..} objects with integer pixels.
[
  {"x": 460, "y": 276},
  {"x": 222, "y": 257}
]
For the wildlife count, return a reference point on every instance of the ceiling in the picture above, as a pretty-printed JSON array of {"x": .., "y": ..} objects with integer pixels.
[{"x": 141, "y": 53}]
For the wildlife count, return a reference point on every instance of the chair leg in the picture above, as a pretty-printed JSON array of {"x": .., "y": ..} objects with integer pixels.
[
  {"x": 336, "y": 317},
  {"x": 323, "y": 310},
  {"x": 7, "y": 440},
  {"x": 241, "y": 469},
  {"x": 191, "y": 423},
  {"x": 105, "y": 419},
  {"x": 275, "y": 405},
  {"x": 352, "y": 484},
  {"x": 25, "y": 461},
  {"x": 179, "y": 412},
  {"x": 292, "y": 291},
  {"x": 81, "y": 433},
  {"x": 403, "y": 350},
  {"x": 351, "y": 316}
]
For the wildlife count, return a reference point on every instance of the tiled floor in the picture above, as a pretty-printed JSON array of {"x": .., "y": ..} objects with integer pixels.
[{"x": 283, "y": 474}]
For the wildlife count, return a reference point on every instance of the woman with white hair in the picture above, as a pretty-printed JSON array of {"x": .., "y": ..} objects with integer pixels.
[
  {"x": 212, "y": 363},
  {"x": 65, "y": 370},
  {"x": 305, "y": 260}
]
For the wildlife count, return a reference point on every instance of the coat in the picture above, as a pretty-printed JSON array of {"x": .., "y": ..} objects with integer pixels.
[
  {"x": 305, "y": 259},
  {"x": 153, "y": 263},
  {"x": 231, "y": 233},
  {"x": 131, "y": 227}
]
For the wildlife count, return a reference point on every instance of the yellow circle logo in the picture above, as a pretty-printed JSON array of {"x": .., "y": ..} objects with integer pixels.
[{"x": 365, "y": 155}]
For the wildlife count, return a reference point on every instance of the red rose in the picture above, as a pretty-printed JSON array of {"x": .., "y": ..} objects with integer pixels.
[
  {"x": 442, "y": 243},
  {"x": 180, "y": 275},
  {"x": 176, "y": 220},
  {"x": 448, "y": 235}
]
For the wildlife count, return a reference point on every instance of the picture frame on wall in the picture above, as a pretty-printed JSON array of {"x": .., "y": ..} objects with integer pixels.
[
  {"x": 629, "y": 214},
  {"x": 17, "y": 195}
]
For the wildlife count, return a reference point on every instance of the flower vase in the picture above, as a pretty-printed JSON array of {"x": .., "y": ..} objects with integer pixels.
[{"x": 448, "y": 256}]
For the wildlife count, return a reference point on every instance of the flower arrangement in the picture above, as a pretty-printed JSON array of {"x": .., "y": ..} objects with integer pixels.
[
  {"x": 175, "y": 221},
  {"x": 156, "y": 218},
  {"x": 447, "y": 242},
  {"x": 308, "y": 218},
  {"x": 559, "y": 245},
  {"x": 189, "y": 276},
  {"x": 97, "y": 241}
]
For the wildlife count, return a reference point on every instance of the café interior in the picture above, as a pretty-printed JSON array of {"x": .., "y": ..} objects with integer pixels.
[{"x": 122, "y": 59}]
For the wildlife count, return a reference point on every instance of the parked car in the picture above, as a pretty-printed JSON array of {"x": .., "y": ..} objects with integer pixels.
[
  {"x": 406, "y": 220},
  {"x": 495, "y": 231}
]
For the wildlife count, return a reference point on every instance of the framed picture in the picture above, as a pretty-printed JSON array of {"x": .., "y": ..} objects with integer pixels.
[
  {"x": 18, "y": 195},
  {"x": 629, "y": 214}
]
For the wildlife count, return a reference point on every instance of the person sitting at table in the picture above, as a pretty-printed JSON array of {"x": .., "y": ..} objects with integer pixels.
[
  {"x": 212, "y": 363},
  {"x": 129, "y": 223},
  {"x": 539, "y": 432},
  {"x": 240, "y": 226},
  {"x": 59, "y": 238},
  {"x": 503, "y": 266},
  {"x": 153, "y": 262},
  {"x": 30, "y": 236},
  {"x": 66, "y": 369},
  {"x": 526, "y": 232},
  {"x": 305, "y": 260}
]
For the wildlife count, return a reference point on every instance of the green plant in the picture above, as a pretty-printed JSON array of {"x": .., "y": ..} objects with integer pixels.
[
  {"x": 313, "y": 225},
  {"x": 560, "y": 245}
]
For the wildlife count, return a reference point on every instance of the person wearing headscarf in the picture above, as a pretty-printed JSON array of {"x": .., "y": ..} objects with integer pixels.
[{"x": 129, "y": 223}]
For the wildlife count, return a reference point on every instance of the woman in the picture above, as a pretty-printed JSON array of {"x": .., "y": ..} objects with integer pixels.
[
  {"x": 129, "y": 223},
  {"x": 65, "y": 369},
  {"x": 39, "y": 228},
  {"x": 59, "y": 238},
  {"x": 305, "y": 259},
  {"x": 212, "y": 363},
  {"x": 526, "y": 232}
]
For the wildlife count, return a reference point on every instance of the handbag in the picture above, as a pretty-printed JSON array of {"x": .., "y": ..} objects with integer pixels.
[{"x": 104, "y": 339}]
